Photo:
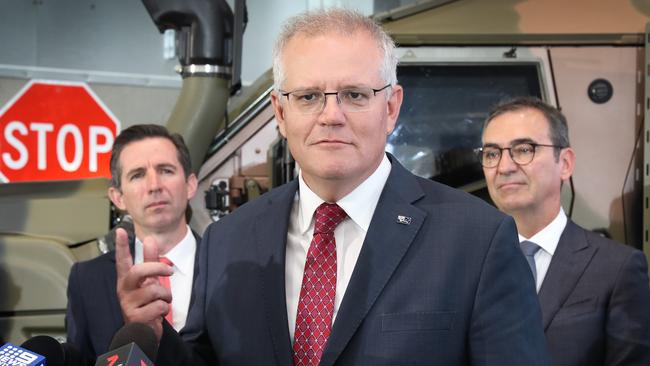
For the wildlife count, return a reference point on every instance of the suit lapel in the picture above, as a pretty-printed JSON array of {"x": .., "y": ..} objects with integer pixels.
[
  {"x": 571, "y": 257},
  {"x": 195, "y": 274},
  {"x": 270, "y": 229},
  {"x": 386, "y": 242},
  {"x": 110, "y": 281}
]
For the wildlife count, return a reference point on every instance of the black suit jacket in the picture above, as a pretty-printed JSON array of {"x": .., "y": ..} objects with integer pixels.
[
  {"x": 446, "y": 286},
  {"x": 596, "y": 302},
  {"x": 94, "y": 314}
]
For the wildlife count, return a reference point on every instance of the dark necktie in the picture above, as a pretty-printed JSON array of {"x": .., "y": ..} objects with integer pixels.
[
  {"x": 318, "y": 291},
  {"x": 529, "y": 248}
]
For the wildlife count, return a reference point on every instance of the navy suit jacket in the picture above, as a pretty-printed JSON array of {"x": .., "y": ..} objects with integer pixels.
[
  {"x": 450, "y": 287},
  {"x": 94, "y": 314},
  {"x": 596, "y": 302}
]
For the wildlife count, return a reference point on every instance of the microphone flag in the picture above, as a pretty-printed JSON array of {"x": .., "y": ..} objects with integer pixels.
[
  {"x": 12, "y": 355},
  {"x": 127, "y": 355}
]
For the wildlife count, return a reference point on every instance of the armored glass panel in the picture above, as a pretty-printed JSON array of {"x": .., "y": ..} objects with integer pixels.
[{"x": 442, "y": 117}]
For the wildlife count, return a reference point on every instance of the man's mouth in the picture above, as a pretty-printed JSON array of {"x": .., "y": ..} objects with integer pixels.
[
  {"x": 508, "y": 185},
  {"x": 332, "y": 142},
  {"x": 156, "y": 204}
]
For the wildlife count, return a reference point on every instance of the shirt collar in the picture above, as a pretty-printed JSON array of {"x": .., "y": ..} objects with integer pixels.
[
  {"x": 549, "y": 237},
  {"x": 359, "y": 204},
  {"x": 181, "y": 255}
]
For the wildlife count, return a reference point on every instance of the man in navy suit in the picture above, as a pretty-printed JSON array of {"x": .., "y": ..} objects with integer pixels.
[
  {"x": 357, "y": 261},
  {"x": 152, "y": 181},
  {"x": 593, "y": 291}
]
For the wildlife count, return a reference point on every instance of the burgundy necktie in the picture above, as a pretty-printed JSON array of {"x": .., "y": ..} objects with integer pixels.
[
  {"x": 165, "y": 281},
  {"x": 316, "y": 303}
]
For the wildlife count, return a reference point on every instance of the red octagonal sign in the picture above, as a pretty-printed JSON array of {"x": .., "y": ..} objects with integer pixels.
[{"x": 55, "y": 131}]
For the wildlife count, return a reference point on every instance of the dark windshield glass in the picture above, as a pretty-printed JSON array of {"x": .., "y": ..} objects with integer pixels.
[{"x": 442, "y": 116}]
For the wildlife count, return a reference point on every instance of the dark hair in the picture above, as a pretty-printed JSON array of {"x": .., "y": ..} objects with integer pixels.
[
  {"x": 141, "y": 132},
  {"x": 558, "y": 128}
]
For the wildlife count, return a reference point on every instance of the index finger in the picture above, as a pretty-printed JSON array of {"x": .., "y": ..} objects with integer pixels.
[
  {"x": 123, "y": 259},
  {"x": 149, "y": 249}
]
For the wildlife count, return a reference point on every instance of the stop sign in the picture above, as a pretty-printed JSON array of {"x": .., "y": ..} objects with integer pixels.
[{"x": 55, "y": 131}]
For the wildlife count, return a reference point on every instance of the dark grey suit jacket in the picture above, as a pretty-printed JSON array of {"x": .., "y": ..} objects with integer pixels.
[
  {"x": 596, "y": 302},
  {"x": 94, "y": 314},
  {"x": 450, "y": 287}
]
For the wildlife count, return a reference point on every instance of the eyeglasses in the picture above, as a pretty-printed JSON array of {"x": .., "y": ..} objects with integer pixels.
[
  {"x": 313, "y": 101},
  {"x": 521, "y": 154}
]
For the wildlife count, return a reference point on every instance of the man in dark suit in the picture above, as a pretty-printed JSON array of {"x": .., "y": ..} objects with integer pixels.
[
  {"x": 593, "y": 291},
  {"x": 357, "y": 261},
  {"x": 152, "y": 181}
]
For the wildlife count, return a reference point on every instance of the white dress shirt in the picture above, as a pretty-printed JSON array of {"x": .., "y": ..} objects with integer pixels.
[
  {"x": 359, "y": 205},
  {"x": 547, "y": 239},
  {"x": 182, "y": 256}
]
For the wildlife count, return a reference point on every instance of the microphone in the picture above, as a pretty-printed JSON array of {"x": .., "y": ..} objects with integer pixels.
[
  {"x": 12, "y": 355},
  {"x": 135, "y": 344},
  {"x": 55, "y": 353}
]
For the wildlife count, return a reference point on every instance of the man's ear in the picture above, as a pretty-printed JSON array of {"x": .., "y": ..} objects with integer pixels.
[
  {"x": 393, "y": 107},
  {"x": 278, "y": 109},
  {"x": 567, "y": 160},
  {"x": 115, "y": 195},
  {"x": 192, "y": 184}
]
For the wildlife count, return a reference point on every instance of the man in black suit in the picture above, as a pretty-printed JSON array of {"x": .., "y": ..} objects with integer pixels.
[
  {"x": 593, "y": 291},
  {"x": 357, "y": 261},
  {"x": 151, "y": 181}
]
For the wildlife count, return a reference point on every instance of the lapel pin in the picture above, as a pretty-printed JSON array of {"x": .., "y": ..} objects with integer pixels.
[{"x": 404, "y": 220}]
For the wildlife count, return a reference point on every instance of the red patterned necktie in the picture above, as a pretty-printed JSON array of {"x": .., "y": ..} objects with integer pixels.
[
  {"x": 165, "y": 281},
  {"x": 316, "y": 303}
]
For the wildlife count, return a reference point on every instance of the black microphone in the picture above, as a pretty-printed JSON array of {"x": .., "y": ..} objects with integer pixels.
[
  {"x": 56, "y": 354},
  {"x": 135, "y": 344},
  {"x": 48, "y": 347}
]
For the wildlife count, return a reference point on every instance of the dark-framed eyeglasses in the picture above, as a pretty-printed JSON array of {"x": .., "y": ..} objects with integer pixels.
[
  {"x": 349, "y": 99},
  {"x": 521, "y": 154}
]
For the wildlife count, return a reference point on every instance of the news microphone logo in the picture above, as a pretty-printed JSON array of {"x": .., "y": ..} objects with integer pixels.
[
  {"x": 12, "y": 355},
  {"x": 127, "y": 355}
]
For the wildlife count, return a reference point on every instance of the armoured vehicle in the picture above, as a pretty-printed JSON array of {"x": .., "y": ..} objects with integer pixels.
[{"x": 590, "y": 58}]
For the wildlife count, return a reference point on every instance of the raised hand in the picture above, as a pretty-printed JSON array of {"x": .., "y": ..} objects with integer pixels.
[{"x": 142, "y": 298}]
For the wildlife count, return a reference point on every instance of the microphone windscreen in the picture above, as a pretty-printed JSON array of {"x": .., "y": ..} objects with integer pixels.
[
  {"x": 48, "y": 347},
  {"x": 74, "y": 357},
  {"x": 138, "y": 333}
]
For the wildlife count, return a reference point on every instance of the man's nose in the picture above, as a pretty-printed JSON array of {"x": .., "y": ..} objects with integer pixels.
[
  {"x": 153, "y": 181},
  {"x": 332, "y": 113},
  {"x": 506, "y": 164}
]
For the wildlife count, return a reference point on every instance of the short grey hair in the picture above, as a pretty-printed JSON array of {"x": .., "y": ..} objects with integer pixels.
[{"x": 334, "y": 20}]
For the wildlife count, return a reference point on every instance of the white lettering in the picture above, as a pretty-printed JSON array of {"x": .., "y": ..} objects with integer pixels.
[
  {"x": 13, "y": 362},
  {"x": 27, "y": 357},
  {"x": 94, "y": 148},
  {"x": 69, "y": 166},
  {"x": 41, "y": 128},
  {"x": 11, "y": 139},
  {"x": 70, "y": 152}
]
